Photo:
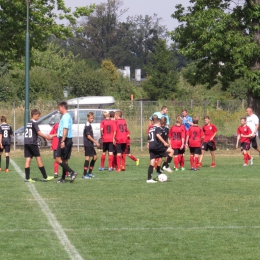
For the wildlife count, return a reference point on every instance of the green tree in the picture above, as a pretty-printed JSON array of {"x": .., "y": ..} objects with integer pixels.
[
  {"x": 162, "y": 77},
  {"x": 222, "y": 37},
  {"x": 43, "y": 23}
]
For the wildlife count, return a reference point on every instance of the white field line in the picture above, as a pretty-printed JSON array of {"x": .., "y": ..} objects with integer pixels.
[
  {"x": 64, "y": 240},
  {"x": 199, "y": 228}
]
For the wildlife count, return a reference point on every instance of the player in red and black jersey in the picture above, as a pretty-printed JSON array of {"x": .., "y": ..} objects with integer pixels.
[
  {"x": 5, "y": 141},
  {"x": 107, "y": 127},
  {"x": 209, "y": 143},
  {"x": 177, "y": 136},
  {"x": 243, "y": 135},
  {"x": 193, "y": 140},
  {"x": 121, "y": 135},
  {"x": 31, "y": 149},
  {"x": 158, "y": 148}
]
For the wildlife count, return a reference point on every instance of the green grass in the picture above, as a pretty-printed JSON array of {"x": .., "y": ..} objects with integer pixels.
[{"x": 209, "y": 214}]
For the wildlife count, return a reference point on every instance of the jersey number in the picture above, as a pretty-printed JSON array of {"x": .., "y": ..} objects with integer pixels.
[
  {"x": 176, "y": 136},
  {"x": 28, "y": 133},
  {"x": 108, "y": 128},
  {"x": 5, "y": 133},
  {"x": 122, "y": 128}
]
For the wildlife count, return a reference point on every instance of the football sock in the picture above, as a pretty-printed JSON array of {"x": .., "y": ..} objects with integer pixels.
[
  {"x": 132, "y": 157},
  {"x": 66, "y": 167},
  {"x": 182, "y": 160},
  {"x": 86, "y": 164},
  {"x": 196, "y": 162},
  {"x": 176, "y": 162},
  {"x": 42, "y": 169},
  {"x": 165, "y": 164},
  {"x": 103, "y": 158},
  {"x": 123, "y": 159},
  {"x": 63, "y": 173},
  {"x": 249, "y": 157},
  {"x": 158, "y": 168},
  {"x": 169, "y": 159},
  {"x": 118, "y": 161},
  {"x": 245, "y": 159},
  {"x": 110, "y": 161},
  {"x": 92, "y": 163},
  {"x": 27, "y": 173},
  {"x": 56, "y": 167},
  {"x": 192, "y": 161},
  {"x": 7, "y": 159},
  {"x": 150, "y": 172}
]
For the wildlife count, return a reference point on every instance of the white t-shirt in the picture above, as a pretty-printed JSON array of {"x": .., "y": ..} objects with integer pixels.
[{"x": 251, "y": 121}]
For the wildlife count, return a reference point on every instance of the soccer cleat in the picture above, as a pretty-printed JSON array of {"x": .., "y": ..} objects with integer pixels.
[
  {"x": 176, "y": 169},
  {"x": 167, "y": 169},
  {"x": 245, "y": 164},
  {"x": 192, "y": 168},
  {"x": 91, "y": 175},
  {"x": 199, "y": 165},
  {"x": 213, "y": 165},
  {"x": 56, "y": 175},
  {"x": 29, "y": 180},
  {"x": 251, "y": 161},
  {"x": 7, "y": 170},
  {"x": 137, "y": 162},
  {"x": 61, "y": 180},
  {"x": 73, "y": 176},
  {"x": 118, "y": 170},
  {"x": 110, "y": 169},
  {"x": 86, "y": 176},
  {"x": 156, "y": 178},
  {"x": 195, "y": 169},
  {"x": 123, "y": 168},
  {"x": 49, "y": 178},
  {"x": 161, "y": 170},
  {"x": 101, "y": 169},
  {"x": 151, "y": 181},
  {"x": 182, "y": 169}
]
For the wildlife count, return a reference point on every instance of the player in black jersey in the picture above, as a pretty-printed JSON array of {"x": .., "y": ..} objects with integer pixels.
[
  {"x": 5, "y": 141},
  {"x": 31, "y": 148},
  {"x": 158, "y": 147}
]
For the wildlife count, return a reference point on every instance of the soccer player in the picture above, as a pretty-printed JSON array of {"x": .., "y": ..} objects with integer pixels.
[
  {"x": 252, "y": 121},
  {"x": 31, "y": 148},
  {"x": 244, "y": 134},
  {"x": 127, "y": 151},
  {"x": 65, "y": 142},
  {"x": 177, "y": 136},
  {"x": 157, "y": 147},
  {"x": 89, "y": 147},
  {"x": 121, "y": 134},
  {"x": 107, "y": 134},
  {"x": 5, "y": 141},
  {"x": 193, "y": 140},
  {"x": 54, "y": 145},
  {"x": 210, "y": 131}
]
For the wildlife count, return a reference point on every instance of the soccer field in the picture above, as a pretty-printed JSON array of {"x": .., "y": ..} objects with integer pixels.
[{"x": 209, "y": 214}]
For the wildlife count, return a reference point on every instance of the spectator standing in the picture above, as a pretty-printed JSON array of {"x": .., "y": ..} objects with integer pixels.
[
  {"x": 252, "y": 121},
  {"x": 186, "y": 119},
  {"x": 162, "y": 113}
]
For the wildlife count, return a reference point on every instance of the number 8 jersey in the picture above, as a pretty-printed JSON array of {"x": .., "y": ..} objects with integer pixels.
[
  {"x": 30, "y": 134},
  {"x": 6, "y": 131}
]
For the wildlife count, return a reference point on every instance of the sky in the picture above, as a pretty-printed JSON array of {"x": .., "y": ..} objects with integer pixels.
[{"x": 163, "y": 8}]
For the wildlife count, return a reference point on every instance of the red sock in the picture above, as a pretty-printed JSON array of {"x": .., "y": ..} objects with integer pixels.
[
  {"x": 118, "y": 160},
  {"x": 123, "y": 159},
  {"x": 196, "y": 162},
  {"x": 176, "y": 162},
  {"x": 103, "y": 158},
  {"x": 249, "y": 157},
  {"x": 182, "y": 160},
  {"x": 192, "y": 161},
  {"x": 110, "y": 161},
  {"x": 56, "y": 167},
  {"x": 114, "y": 161},
  {"x": 132, "y": 157},
  {"x": 245, "y": 159}
]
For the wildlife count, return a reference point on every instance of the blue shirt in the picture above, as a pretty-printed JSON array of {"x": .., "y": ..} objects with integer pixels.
[
  {"x": 160, "y": 115},
  {"x": 65, "y": 122},
  {"x": 185, "y": 122}
]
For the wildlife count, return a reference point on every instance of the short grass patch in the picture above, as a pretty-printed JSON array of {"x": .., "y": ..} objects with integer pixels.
[{"x": 209, "y": 214}]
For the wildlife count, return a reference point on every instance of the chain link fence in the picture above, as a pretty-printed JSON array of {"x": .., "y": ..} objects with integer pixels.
[{"x": 224, "y": 114}]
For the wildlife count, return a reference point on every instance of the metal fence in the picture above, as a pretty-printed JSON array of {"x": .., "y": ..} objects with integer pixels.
[{"x": 224, "y": 114}]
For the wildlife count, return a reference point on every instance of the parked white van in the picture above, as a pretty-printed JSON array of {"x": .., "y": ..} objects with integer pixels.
[{"x": 78, "y": 109}]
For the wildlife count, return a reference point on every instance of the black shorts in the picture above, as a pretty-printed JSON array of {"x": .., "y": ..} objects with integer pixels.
[
  {"x": 108, "y": 147},
  {"x": 127, "y": 149},
  {"x": 177, "y": 151},
  {"x": 54, "y": 154},
  {"x": 158, "y": 153},
  {"x": 6, "y": 147},
  {"x": 120, "y": 148},
  {"x": 245, "y": 146},
  {"x": 66, "y": 151},
  {"x": 209, "y": 146},
  {"x": 195, "y": 150},
  {"x": 182, "y": 151},
  {"x": 90, "y": 151},
  {"x": 253, "y": 142},
  {"x": 31, "y": 150}
]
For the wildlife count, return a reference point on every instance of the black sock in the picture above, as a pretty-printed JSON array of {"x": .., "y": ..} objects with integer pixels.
[
  {"x": 66, "y": 167},
  {"x": 86, "y": 164},
  {"x": 165, "y": 164},
  {"x": 7, "y": 159},
  {"x": 63, "y": 176},
  {"x": 42, "y": 169},
  {"x": 27, "y": 173},
  {"x": 158, "y": 169},
  {"x": 150, "y": 172},
  {"x": 92, "y": 164}
]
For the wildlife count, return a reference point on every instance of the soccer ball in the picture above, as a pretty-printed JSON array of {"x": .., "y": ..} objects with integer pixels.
[{"x": 162, "y": 177}]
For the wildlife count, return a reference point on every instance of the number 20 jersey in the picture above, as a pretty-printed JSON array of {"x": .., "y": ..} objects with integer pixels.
[{"x": 30, "y": 134}]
